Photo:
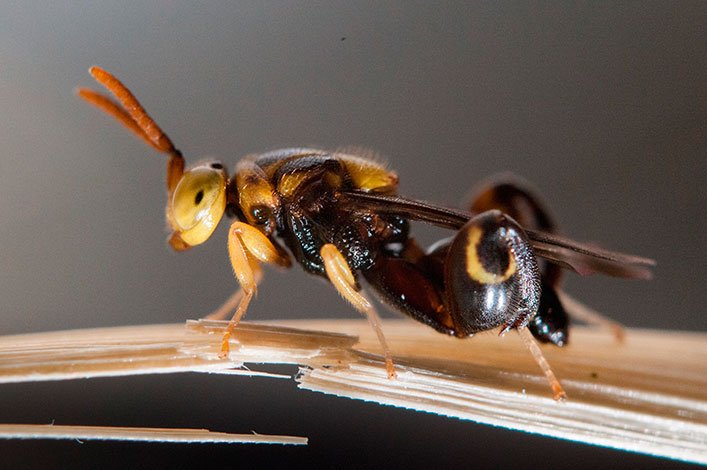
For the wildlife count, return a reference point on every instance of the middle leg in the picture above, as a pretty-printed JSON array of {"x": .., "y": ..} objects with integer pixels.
[
  {"x": 492, "y": 280},
  {"x": 340, "y": 275}
]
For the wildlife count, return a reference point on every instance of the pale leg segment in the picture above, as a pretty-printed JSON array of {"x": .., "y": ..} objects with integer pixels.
[
  {"x": 342, "y": 278},
  {"x": 246, "y": 247},
  {"x": 557, "y": 391},
  {"x": 231, "y": 303}
]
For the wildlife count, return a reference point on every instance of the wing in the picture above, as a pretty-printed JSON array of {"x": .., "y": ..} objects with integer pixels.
[
  {"x": 408, "y": 208},
  {"x": 587, "y": 259},
  {"x": 580, "y": 257}
]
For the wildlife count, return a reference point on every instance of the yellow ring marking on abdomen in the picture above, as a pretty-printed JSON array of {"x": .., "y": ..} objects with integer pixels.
[{"x": 475, "y": 269}]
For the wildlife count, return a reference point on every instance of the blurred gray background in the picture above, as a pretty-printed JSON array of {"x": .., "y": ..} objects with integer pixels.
[{"x": 602, "y": 106}]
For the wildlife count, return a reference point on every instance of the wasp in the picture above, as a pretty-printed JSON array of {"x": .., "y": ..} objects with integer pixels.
[{"x": 339, "y": 216}]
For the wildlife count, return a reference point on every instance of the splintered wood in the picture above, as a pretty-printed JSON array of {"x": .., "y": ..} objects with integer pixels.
[{"x": 647, "y": 394}]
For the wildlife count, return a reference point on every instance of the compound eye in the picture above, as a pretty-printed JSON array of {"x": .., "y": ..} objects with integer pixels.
[{"x": 198, "y": 203}]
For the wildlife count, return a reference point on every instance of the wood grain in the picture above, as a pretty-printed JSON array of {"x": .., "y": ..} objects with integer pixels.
[{"x": 647, "y": 394}]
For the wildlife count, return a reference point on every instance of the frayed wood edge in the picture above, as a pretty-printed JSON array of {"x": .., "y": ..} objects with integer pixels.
[
  {"x": 114, "y": 433},
  {"x": 645, "y": 395}
]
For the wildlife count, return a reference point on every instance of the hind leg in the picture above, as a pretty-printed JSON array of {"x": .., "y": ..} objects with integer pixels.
[
  {"x": 484, "y": 278},
  {"x": 339, "y": 274},
  {"x": 492, "y": 280},
  {"x": 516, "y": 197}
]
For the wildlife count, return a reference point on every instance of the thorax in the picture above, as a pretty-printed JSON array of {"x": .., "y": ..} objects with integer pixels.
[{"x": 293, "y": 194}]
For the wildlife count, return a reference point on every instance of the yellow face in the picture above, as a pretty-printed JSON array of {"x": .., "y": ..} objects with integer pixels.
[{"x": 198, "y": 202}]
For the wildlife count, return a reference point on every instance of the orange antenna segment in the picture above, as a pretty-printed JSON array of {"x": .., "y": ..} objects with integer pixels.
[
  {"x": 129, "y": 112},
  {"x": 113, "y": 109},
  {"x": 134, "y": 109}
]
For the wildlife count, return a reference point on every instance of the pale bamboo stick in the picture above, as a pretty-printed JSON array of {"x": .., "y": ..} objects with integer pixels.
[
  {"x": 176, "y": 435},
  {"x": 648, "y": 394}
]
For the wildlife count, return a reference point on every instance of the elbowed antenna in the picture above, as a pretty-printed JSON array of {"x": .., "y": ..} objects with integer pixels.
[{"x": 130, "y": 113}]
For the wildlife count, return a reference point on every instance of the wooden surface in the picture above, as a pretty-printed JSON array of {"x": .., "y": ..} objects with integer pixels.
[
  {"x": 116, "y": 433},
  {"x": 647, "y": 395}
]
